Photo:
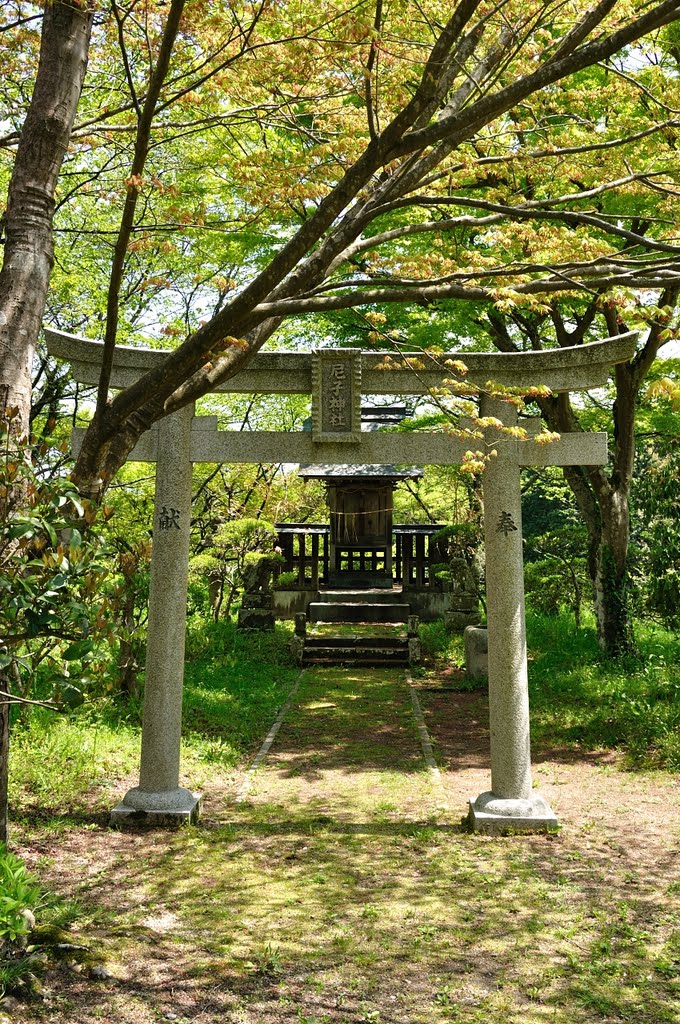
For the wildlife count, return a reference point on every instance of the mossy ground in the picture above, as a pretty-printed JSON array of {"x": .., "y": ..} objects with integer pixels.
[{"x": 345, "y": 890}]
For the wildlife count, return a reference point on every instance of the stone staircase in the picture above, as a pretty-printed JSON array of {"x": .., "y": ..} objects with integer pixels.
[
  {"x": 359, "y": 606},
  {"x": 358, "y": 650},
  {"x": 372, "y": 628}
]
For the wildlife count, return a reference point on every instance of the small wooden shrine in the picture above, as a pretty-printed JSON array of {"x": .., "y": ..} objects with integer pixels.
[{"x": 360, "y": 500}]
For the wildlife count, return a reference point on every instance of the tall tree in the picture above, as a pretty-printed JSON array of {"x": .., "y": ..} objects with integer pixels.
[
  {"x": 371, "y": 115},
  {"x": 27, "y": 220},
  {"x": 360, "y": 156},
  {"x": 602, "y": 493}
]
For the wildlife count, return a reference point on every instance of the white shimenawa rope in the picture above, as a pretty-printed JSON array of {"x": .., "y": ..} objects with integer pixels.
[
  {"x": 244, "y": 788},
  {"x": 426, "y": 745}
]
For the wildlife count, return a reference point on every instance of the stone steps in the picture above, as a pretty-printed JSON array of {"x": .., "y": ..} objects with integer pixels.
[
  {"x": 357, "y": 651},
  {"x": 372, "y": 596},
  {"x": 355, "y": 611},
  {"x": 356, "y": 662},
  {"x": 355, "y": 642}
]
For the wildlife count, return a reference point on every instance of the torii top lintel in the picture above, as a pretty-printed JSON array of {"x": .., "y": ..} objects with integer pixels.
[
  {"x": 564, "y": 369},
  {"x": 337, "y": 377}
]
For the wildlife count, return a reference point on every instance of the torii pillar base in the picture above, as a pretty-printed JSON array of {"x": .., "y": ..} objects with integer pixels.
[
  {"x": 494, "y": 816},
  {"x": 140, "y": 807}
]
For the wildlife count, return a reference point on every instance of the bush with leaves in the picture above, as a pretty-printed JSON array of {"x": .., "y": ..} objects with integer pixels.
[
  {"x": 55, "y": 619},
  {"x": 556, "y": 572},
  {"x": 220, "y": 565},
  {"x": 19, "y": 898},
  {"x": 53, "y": 612}
]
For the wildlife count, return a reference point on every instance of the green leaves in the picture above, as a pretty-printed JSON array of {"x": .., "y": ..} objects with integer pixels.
[
  {"x": 18, "y": 892},
  {"x": 80, "y": 650},
  {"x": 53, "y": 611}
]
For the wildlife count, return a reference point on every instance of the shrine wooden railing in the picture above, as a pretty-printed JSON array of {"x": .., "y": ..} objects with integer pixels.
[
  {"x": 415, "y": 555},
  {"x": 305, "y": 548}
]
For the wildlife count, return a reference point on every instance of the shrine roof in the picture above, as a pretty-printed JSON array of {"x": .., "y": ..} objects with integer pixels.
[{"x": 375, "y": 472}]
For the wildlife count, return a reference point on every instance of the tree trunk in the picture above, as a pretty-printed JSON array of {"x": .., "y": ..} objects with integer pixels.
[
  {"x": 603, "y": 503},
  {"x": 609, "y": 572},
  {"x": 28, "y": 256},
  {"x": 128, "y": 682}
]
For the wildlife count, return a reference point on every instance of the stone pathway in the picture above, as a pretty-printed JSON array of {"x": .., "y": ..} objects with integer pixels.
[{"x": 349, "y": 746}]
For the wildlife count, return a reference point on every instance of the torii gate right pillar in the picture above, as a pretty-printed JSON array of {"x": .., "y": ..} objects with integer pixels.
[{"x": 510, "y": 804}]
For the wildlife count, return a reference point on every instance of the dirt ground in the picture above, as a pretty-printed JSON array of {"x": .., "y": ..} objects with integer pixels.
[{"x": 345, "y": 889}]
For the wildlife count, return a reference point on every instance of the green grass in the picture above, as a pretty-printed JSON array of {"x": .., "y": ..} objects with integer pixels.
[
  {"x": 337, "y": 894},
  {"x": 382, "y": 925},
  {"x": 234, "y": 684},
  {"x": 439, "y": 646},
  {"x": 332, "y": 897},
  {"x": 58, "y": 761},
  {"x": 580, "y": 698}
]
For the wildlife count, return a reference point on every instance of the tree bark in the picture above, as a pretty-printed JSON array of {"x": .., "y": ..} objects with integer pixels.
[
  {"x": 610, "y": 577},
  {"x": 28, "y": 256}
]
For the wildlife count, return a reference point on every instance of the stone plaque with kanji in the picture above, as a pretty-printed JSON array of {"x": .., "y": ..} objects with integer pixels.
[{"x": 336, "y": 395}]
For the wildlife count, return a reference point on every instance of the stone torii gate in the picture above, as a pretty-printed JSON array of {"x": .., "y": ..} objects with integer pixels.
[{"x": 336, "y": 378}]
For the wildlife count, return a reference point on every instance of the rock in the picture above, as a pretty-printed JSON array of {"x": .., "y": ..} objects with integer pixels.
[
  {"x": 476, "y": 652},
  {"x": 458, "y": 621},
  {"x": 66, "y": 948},
  {"x": 297, "y": 647},
  {"x": 38, "y": 959},
  {"x": 256, "y": 618},
  {"x": 9, "y": 1004},
  {"x": 169, "y": 1016},
  {"x": 29, "y": 918},
  {"x": 100, "y": 973}
]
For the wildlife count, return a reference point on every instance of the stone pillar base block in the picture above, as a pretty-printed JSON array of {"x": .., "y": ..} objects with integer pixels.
[
  {"x": 168, "y": 808},
  {"x": 457, "y": 620},
  {"x": 256, "y": 618},
  {"x": 493, "y": 815},
  {"x": 476, "y": 640}
]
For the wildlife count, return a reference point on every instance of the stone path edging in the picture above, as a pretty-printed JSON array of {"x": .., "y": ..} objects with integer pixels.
[
  {"x": 426, "y": 744},
  {"x": 244, "y": 788}
]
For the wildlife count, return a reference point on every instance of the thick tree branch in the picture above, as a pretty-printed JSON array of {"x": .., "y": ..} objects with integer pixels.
[{"x": 133, "y": 189}]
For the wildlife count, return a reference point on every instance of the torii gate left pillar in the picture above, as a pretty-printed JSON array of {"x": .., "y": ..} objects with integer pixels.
[{"x": 159, "y": 798}]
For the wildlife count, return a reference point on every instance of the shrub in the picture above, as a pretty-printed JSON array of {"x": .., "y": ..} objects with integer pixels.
[{"x": 18, "y": 893}]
